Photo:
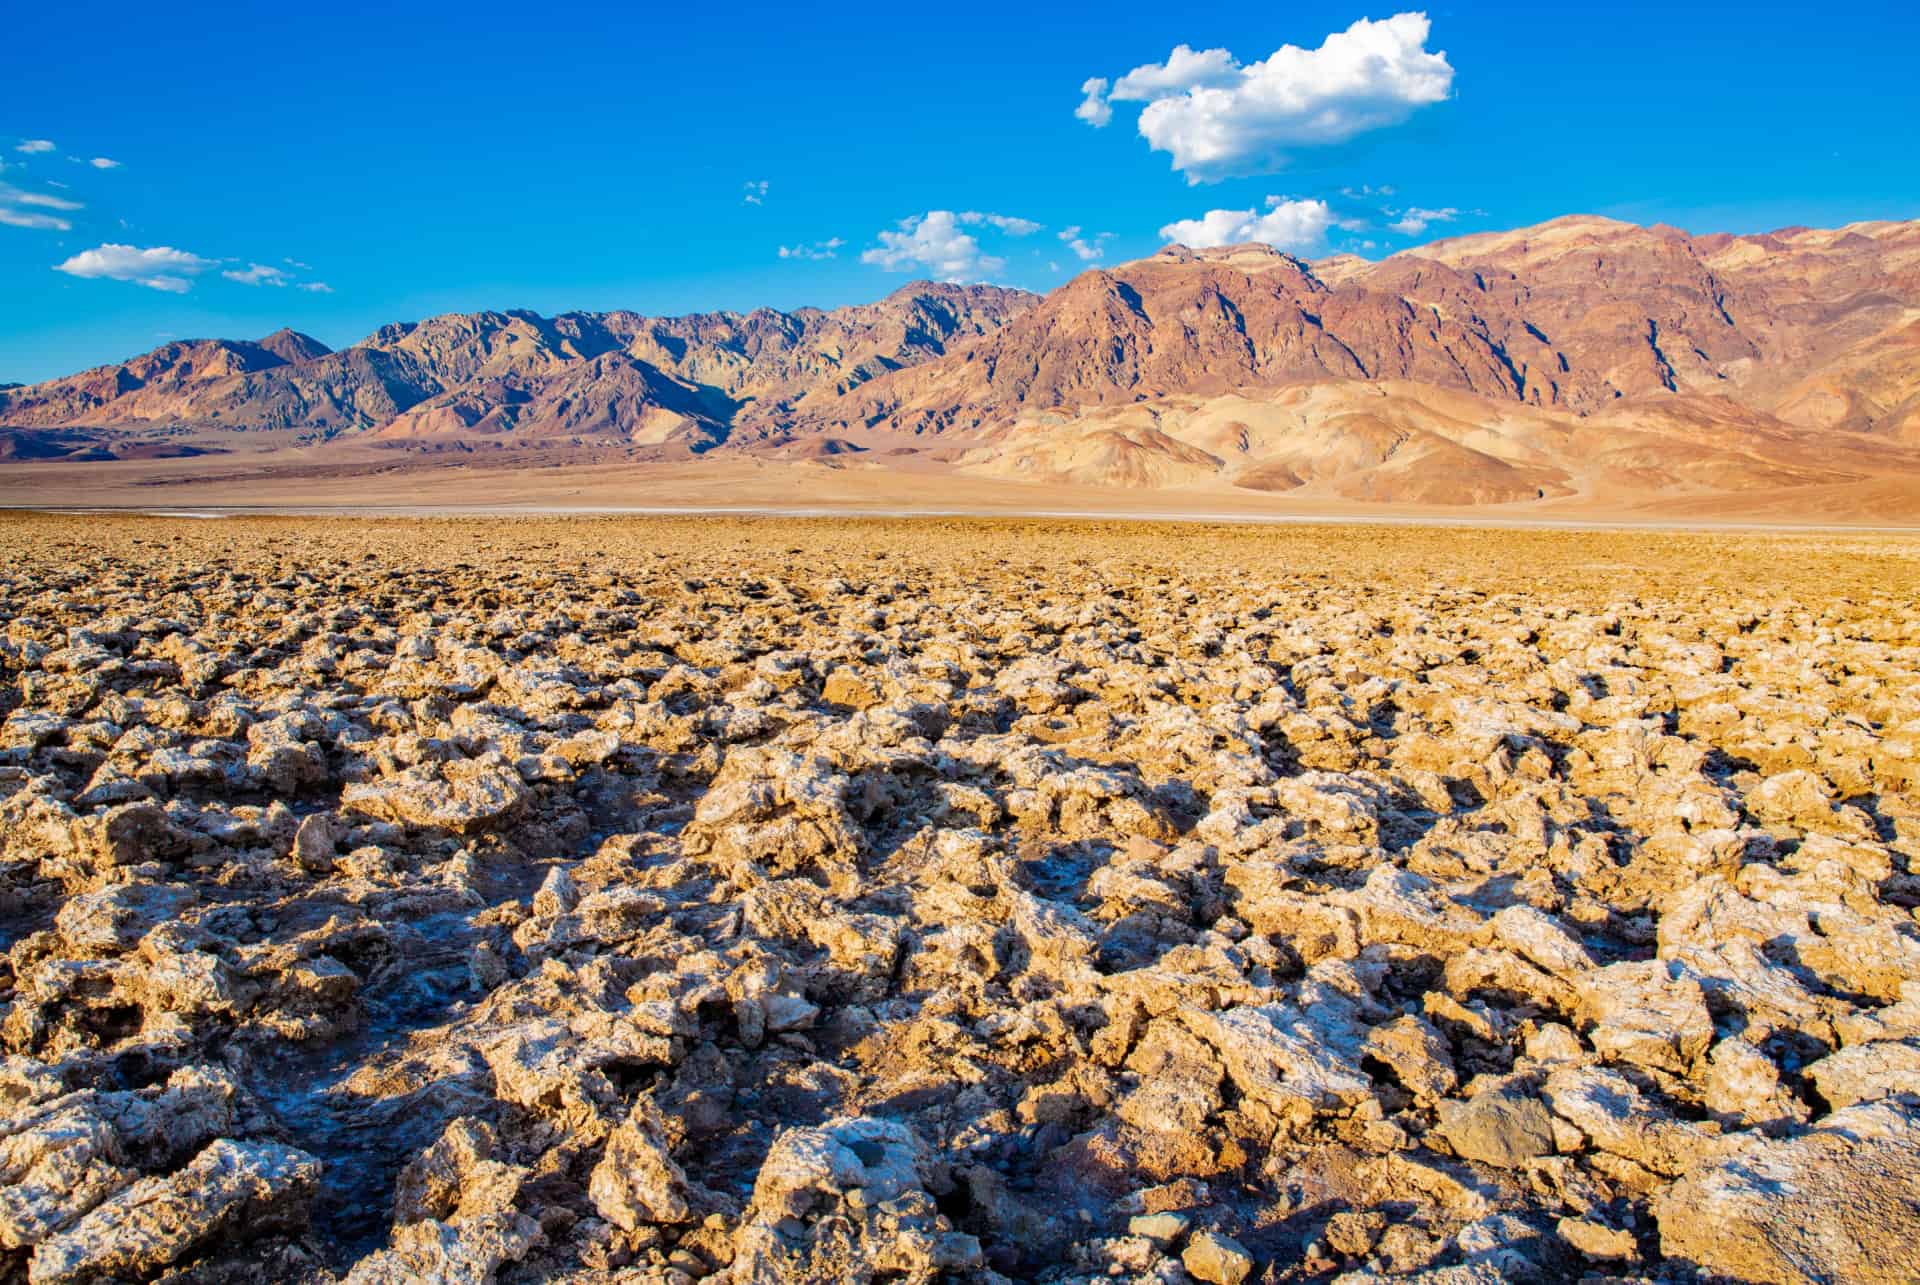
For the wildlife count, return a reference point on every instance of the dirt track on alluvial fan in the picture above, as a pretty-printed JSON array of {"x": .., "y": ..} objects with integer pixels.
[{"x": 891, "y": 901}]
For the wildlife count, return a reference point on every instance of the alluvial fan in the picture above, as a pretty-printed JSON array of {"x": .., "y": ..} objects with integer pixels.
[{"x": 769, "y": 901}]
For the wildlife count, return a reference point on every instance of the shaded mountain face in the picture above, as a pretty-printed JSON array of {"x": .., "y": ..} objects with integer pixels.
[
  {"x": 610, "y": 396},
  {"x": 613, "y": 375}
]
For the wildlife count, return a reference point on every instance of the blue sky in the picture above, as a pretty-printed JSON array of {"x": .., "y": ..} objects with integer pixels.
[{"x": 520, "y": 156}]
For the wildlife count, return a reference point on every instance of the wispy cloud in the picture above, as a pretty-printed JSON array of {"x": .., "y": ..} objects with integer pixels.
[
  {"x": 1416, "y": 220},
  {"x": 756, "y": 192},
  {"x": 32, "y": 146},
  {"x": 1219, "y": 119},
  {"x": 826, "y": 249},
  {"x": 103, "y": 163},
  {"x": 1007, "y": 223},
  {"x": 11, "y": 213},
  {"x": 1086, "y": 249},
  {"x": 24, "y": 219},
  {"x": 257, "y": 274},
  {"x": 11, "y": 195},
  {"x": 315, "y": 287},
  {"x": 158, "y": 267}
]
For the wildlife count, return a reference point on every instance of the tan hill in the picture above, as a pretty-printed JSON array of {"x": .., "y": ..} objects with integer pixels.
[{"x": 1401, "y": 442}]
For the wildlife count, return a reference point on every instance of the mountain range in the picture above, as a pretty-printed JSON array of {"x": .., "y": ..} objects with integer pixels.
[{"x": 1580, "y": 357}]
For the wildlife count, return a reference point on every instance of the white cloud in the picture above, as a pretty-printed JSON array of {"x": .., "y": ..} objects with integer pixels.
[
  {"x": 11, "y": 197},
  {"x": 1218, "y": 119},
  {"x": 1184, "y": 69},
  {"x": 292, "y": 262},
  {"x": 1093, "y": 107},
  {"x": 104, "y": 163},
  {"x": 257, "y": 274},
  {"x": 1413, "y": 222},
  {"x": 1087, "y": 248},
  {"x": 315, "y": 287},
  {"x": 756, "y": 192},
  {"x": 1005, "y": 222},
  {"x": 1298, "y": 227},
  {"x": 816, "y": 250},
  {"x": 935, "y": 242},
  {"x": 158, "y": 267},
  {"x": 22, "y": 219},
  {"x": 33, "y": 145}
]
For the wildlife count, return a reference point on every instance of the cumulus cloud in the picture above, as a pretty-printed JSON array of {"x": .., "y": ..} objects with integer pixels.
[
  {"x": 1298, "y": 227},
  {"x": 932, "y": 241},
  {"x": 1093, "y": 107},
  {"x": 1218, "y": 119},
  {"x": 1184, "y": 69},
  {"x": 158, "y": 267},
  {"x": 257, "y": 274},
  {"x": 33, "y": 145},
  {"x": 756, "y": 192},
  {"x": 1413, "y": 222},
  {"x": 104, "y": 163},
  {"x": 826, "y": 249}
]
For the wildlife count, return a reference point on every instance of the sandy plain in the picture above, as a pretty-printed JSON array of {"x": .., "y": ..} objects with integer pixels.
[
  {"x": 893, "y": 478},
  {"x": 754, "y": 900}
]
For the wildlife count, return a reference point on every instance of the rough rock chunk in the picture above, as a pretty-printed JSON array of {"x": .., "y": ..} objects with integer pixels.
[
  {"x": 231, "y": 1188},
  {"x": 636, "y": 1181},
  {"x": 1840, "y": 1202},
  {"x": 1497, "y": 1128},
  {"x": 463, "y": 796},
  {"x": 1651, "y": 1014},
  {"x": 781, "y": 813},
  {"x": 1216, "y": 1258}
]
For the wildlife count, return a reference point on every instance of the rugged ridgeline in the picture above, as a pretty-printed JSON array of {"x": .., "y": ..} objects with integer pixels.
[
  {"x": 1583, "y": 356},
  {"x": 1578, "y": 356},
  {"x": 648, "y": 380}
]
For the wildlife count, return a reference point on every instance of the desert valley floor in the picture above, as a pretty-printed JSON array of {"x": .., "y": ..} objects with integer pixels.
[{"x": 681, "y": 900}]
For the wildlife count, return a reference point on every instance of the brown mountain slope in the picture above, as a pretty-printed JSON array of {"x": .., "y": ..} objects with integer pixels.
[
  {"x": 1582, "y": 357},
  {"x": 1577, "y": 314}
]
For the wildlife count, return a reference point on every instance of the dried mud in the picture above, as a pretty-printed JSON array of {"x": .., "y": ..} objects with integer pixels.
[{"x": 768, "y": 901}]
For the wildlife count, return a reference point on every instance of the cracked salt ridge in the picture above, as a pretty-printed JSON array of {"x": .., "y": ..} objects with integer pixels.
[{"x": 354, "y": 1208}]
